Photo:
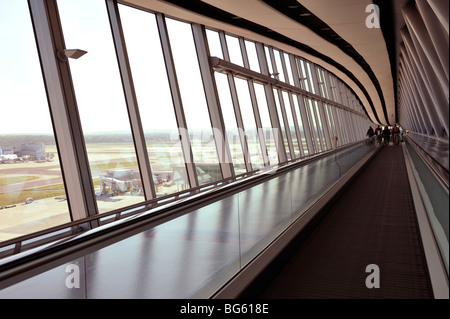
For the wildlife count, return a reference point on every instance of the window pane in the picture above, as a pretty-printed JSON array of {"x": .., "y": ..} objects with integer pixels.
[
  {"x": 304, "y": 76},
  {"x": 154, "y": 100},
  {"x": 252, "y": 56},
  {"x": 289, "y": 77},
  {"x": 194, "y": 101},
  {"x": 312, "y": 124},
  {"x": 268, "y": 60},
  {"x": 279, "y": 65},
  {"x": 300, "y": 120},
  {"x": 234, "y": 49},
  {"x": 290, "y": 118},
  {"x": 215, "y": 48},
  {"x": 248, "y": 118},
  {"x": 32, "y": 193},
  {"x": 266, "y": 124},
  {"x": 229, "y": 117},
  {"x": 310, "y": 77},
  {"x": 101, "y": 104},
  {"x": 282, "y": 125},
  {"x": 320, "y": 125}
]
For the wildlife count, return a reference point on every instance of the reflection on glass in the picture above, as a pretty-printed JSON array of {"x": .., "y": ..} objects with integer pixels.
[
  {"x": 282, "y": 125},
  {"x": 32, "y": 193},
  {"x": 268, "y": 60},
  {"x": 279, "y": 64},
  {"x": 269, "y": 133},
  {"x": 289, "y": 77},
  {"x": 320, "y": 127},
  {"x": 101, "y": 104},
  {"x": 300, "y": 120},
  {"x": 215, "y": 48},
  {"x": 229, "y": 118},
  {"x": 304, "y": 81},
  {"x": 248, "y": 118},
  {"x": 290, "y": 118},
  {"x": 154, "y": 100},
  {"x": 252, "y": 56},
  {"x": 329, "y": 116},
  {"x": 234, "y": 50},
  {"x": 312, "y": 124},
  {"x": 194, "y": 101},
  {"x": 310, "y": 76}
]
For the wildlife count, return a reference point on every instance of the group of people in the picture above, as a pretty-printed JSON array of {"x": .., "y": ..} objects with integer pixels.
[{"x": 384, "y": 134}]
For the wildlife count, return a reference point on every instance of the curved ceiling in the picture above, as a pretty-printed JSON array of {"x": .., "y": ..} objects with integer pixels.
[{"x": 331, "y": 33}]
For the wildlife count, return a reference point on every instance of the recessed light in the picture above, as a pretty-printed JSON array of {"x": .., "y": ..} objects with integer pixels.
[
  {"x": 304, "y": 14},
  {"x": 293, "y": 7}
]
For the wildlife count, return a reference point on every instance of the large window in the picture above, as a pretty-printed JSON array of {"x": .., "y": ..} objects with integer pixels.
[
  {"x": 32, "y": 192},
  {"x": 101, "y": 104},
  {"x": 194, "y": 101},
  {"x": 270, "y": 134},
  {"x": 252, "y": 56},
  {"x": 248, "y": 118},
  {"x": 234, "y": 50},
  {"x": 291, "y": 124},
  {"x": 155, "y": 101},
  {"x": 283, "y": 126},
  {"x": 229, "y": 117}
]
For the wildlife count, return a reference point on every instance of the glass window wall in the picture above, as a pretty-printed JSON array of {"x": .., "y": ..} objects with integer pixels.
[
  {"x": 194, "y": 101},
  {"x": 155, "y": 101},
  {"x": 101, "y": 104},
  {"x": 32, "y": 191},
  {"x": 231, "y": 126}
]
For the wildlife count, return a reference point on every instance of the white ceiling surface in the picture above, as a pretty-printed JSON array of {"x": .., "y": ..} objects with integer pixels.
[
  {"x": 348, "y": 19},
  {"x": 260, "y": 13}
]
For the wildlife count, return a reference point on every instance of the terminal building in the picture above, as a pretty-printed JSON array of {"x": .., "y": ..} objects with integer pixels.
[{"x": 271, "y": 184}]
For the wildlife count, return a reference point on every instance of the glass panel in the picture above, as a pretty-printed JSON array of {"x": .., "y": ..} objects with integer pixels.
[
  {"x": 313, "y": 125},
  {"x": 304, "y": 76},
  {"x": 234, "y": 49},
  {"x": 320, "y": 127},
  {"x": 215, "y": 48},
  {"x": 310, "y": 76},
  {"x": 231, "y": 126},
  {"x": 101, "y": 104},
  {"x": 269, "y": 61},
  {"x": 248, "y": 118},
  {"x": 282, "y": 125},
  {"x": 303, "y": 143},
  {"x": 290, "y": 118},
  {"x": 194, "y": 101},
  {"x": 266, "y": 124},
  {"x": 154, "y": 100},
  {"x": 280, "y": 70},
  {"x": 289, "y": 76},
  {"x": 32, "y": 193},
  {"x": 252, "y": 56}
]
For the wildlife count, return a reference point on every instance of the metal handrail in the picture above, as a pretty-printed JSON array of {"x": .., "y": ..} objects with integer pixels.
[{"x": 439, "y": 170}]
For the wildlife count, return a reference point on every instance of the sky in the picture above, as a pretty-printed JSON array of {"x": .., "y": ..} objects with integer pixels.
[{"x": 96, "y": 77}]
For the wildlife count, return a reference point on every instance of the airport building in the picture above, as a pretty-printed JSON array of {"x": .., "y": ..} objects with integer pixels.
[{"x": 225, "y": 150}]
